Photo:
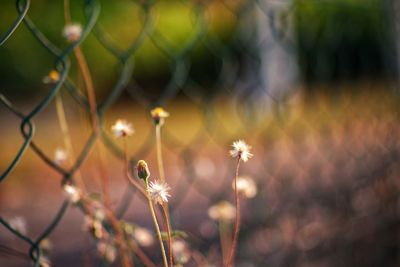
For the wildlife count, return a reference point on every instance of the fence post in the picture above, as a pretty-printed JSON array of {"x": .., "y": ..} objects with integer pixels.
[{"x": 279, "y": 69}]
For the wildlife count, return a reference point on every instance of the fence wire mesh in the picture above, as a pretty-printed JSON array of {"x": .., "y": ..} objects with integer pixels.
[{"x": 326, "y": 168}]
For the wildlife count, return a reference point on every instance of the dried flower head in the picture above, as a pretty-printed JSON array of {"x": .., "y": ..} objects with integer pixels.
[
  {"x": 246, "y": 186},
  {"x": 180, "y": 251},
  {"x": 143, "y": 236},
  {"x": 94, "y": 226},
  {"x": 107, "y": 251},
  {"x": 72, "y": 193},
  {"x": 72, "y": 32},
  {"x": 241, "y": 150},
  {"x": 44, "y": 262},
  {"x": 52, "y": 77},
  {"x": 60, "y": 156},
  {"x": 122, "y": 128},
  {"x": 143, "y": 171},
  {"x": 159, "y": 114},
  {"x": 158, "y": 191},
  {"x": 222, "y": 211},
  {"x": 19, "y": 224}
]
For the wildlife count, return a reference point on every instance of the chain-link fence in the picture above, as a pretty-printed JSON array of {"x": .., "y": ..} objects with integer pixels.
[{"x": 325, "y": 164}]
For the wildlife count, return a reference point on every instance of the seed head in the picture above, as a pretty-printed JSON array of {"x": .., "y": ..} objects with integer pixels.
[
  {"x": 72, "y": 32},
  {"x": 180, "y": 251},
  {"x": 122, "y": 128},
  {"x": 159, "y": 192},
  {"x": 60, "y": 156},
  {"x": 143, "y": 236},
  {"x": 222, "y": 211},
  {"x": 241, "y": 150},
  {"x": 72, "y": 193},
  {"x": 246, "y": 186}
]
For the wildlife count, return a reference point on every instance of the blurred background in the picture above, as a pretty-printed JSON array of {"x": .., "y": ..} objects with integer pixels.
[{"x": 311, "y": 85}]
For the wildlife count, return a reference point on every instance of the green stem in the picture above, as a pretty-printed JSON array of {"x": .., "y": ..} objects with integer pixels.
[{"x": 153, "y": 215}]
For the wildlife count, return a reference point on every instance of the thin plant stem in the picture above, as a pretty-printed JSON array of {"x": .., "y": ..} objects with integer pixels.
[
  {"x": 153, "y": 215},
  {"x": 128, "y": 173},
  {"x": 159, "y": 153},
  {"x": 67, "y": 138},
  {"x": 169, "y": 239},
  {"x": 230, "y": 260},
  {"x": 225, "y": 238},
  {"x": 161, "y": 172}
]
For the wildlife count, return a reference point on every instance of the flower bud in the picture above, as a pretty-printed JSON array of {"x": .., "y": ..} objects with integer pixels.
[{"x": 142, "y": 170}]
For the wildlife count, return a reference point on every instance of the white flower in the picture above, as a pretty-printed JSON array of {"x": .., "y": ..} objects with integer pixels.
[
  {"x": 122, "y": 128},
  {"x": 180, "y": 251},
  {"x": 107, "y": 251},
  {"x": 72, "y": 32},
  {"x": 222, "y": 211},
  {"x": 143, "y": 236},
  {"x": 60, "y": 156},
  {"x": 44, "y": 262},
  {"x": 159, "y": 192},
  {"x": 246, "y": 186},
  {"x": 94, "y": 226},
  {"x": 72, "y": 192},
  {"x": 19, "y": 224},
  {"x": 241, "y": 150}
]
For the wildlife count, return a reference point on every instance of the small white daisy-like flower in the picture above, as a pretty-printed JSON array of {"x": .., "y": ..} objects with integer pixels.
[
  {"x": 72, "y": 193},
  {"x": 241, "y": 150},
  {"x": 94, "y": 226},
  {"x": 72, "y": 32},
  {"x": 222, "y": 211},
  {"x": 107, "y": 251},
  {"x": 122, "y": 128},
  {"x": 246, "y": 186},
  {"x": 143, "y": 236},
  {"x": 159, "y": 192},
  {"x": 60, "y": 156},
  {"x": 44, "y": 262},
  {"x": 180, "y": 251},
  {"x": 19, "y": 224}
]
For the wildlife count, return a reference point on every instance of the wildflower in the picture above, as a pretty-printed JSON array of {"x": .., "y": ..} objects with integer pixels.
[
  {"x": 52, "y": 77},
  {"x": 122, "y": 128},
  {"x": 107, "y": 251},
  {"x": 44, "y": 262},
  {"x": 241, "y": 150},
  {"x": 246, "y": 186},
  {"x": 72, "y": 192},
  {"x": 60, "y": 156},
  {"x": 19, "y": 224},
  {"x": 94, "y": 226},
  {"x": 180, "y": 251},
  {"x": 159, "y": 114},
  {"x": 143, "y": 171},
  {"x": 222, "y": 211},
  {"x": 72, "y": 32},
  {"x": 143, "y": 237},
  {"x": 159, "y": 192}
]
